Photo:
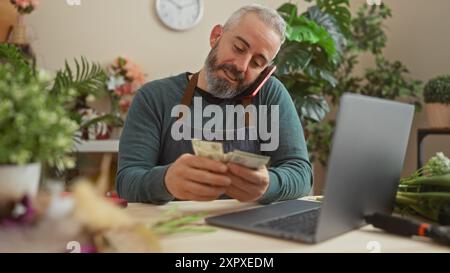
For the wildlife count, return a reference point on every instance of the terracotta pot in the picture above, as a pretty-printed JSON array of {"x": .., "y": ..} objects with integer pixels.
[{"x": 438, "y": 115}]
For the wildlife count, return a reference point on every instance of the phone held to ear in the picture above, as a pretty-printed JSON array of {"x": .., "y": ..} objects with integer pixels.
[{"x": 255, "y": 87}]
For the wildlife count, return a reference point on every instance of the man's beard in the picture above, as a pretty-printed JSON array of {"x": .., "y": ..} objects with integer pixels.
[{"x": 220, "y": 87}]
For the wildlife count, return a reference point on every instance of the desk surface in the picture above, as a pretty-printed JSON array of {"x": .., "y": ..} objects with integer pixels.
[{"x": 366, "y": 239}]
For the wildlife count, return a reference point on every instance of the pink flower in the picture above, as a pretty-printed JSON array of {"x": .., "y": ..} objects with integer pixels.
[
  {"x": 25, "y": 6},
  {"x": 124, "y": 104},
  {"x": 134, "y": 72},
  {"x": 124, "y": 89},
  {"x": 133, "y": 78},
  {"x": 119, "y": 91},
  {"x": 127, "y": 89}
]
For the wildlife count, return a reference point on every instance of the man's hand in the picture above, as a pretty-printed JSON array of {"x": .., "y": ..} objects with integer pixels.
[
  {"x": 197, "y": 178},
  {"x": 247, "y": 185}
]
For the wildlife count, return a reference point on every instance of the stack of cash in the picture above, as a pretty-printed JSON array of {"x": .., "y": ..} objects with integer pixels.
[{"x": 214, "y": 150}]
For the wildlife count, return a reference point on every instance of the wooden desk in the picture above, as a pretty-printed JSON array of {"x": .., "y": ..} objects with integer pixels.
[{"x": 366, "y": 239}]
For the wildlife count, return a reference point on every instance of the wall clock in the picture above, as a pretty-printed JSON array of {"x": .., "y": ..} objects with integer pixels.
[{"x": 179, "y": 14}]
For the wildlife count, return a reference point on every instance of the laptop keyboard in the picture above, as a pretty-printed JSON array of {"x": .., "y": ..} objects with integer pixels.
[{"x": 299, "y": 223}]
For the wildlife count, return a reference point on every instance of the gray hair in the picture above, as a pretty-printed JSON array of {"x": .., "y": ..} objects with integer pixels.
[{"x": 269, "y": 16}]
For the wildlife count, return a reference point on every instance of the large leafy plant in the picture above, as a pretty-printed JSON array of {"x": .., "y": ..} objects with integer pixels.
[
  {"x": 73, "y": 86},
  {"x": 314, "y": 46},
  {"x": 309, "y": 56},
  {"x": 34, "y": 126},
  {"x": 317, "y": 61},
  {"x": 24, "y": 93}
]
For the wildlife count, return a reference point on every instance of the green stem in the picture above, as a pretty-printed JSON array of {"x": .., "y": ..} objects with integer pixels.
[
  {"x": 440, "y": 181},
  {"x": 405, "y": 200},
  {"x": 440, "y": 195},
  {"x": 427, "y": 213}
]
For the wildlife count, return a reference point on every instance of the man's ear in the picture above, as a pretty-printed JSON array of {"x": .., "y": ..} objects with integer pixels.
[{"x": 216, "y": 33}]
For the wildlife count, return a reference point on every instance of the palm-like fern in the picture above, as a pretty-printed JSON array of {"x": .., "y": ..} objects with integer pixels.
[{"x": 88, "y": 78}]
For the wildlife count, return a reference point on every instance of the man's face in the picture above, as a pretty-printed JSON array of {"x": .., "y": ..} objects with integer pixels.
[{"x": 239, "y": 55}]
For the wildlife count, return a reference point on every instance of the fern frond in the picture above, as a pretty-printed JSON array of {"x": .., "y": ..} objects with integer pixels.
[{"x": 87, "y": 78}]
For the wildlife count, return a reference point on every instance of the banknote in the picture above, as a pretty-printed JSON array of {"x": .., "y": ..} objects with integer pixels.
[
  {"x": 214, "y": 150},
  {"x": 249, "y": 160},
  {"x": 209, "y": 149}
]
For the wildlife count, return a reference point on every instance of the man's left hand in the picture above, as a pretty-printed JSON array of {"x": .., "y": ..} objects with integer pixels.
[{"x": 247, "y": 185}]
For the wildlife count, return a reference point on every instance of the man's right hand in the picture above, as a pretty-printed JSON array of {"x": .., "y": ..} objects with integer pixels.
[{"x": 197, "y": 178}]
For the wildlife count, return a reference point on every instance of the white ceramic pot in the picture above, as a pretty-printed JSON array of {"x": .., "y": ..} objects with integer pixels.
[{"x": 16, "y": 181}]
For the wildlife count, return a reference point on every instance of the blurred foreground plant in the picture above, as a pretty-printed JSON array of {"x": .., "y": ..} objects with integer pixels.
[{"x": 177, "y": 222}]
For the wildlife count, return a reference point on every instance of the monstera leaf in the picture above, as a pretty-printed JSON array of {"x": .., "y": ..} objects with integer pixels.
[
  {"x": 313, "y": 107},
  {"x": 329, "y": 23},
  {"x": 292, "y": 58},
  {"x": 303, "y": 30},
  {"x": 288, "y": 11},
  {"x": 339, "y": 10},
  {"x": 310, "y": 49}
]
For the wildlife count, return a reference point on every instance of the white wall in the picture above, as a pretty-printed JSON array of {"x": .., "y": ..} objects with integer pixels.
[{"x": 104, "y": 29}]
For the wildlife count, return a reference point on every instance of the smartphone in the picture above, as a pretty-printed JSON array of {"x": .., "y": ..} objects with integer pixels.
[{"x": 254, "y": 88}]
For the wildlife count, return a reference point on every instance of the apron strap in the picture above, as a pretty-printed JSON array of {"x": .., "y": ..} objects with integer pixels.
[
  {"x": 189, "y": 92},
  {"x": 245, "y": 102}
]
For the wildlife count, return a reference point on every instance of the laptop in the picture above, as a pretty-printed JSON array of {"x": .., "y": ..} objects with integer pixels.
[{"x": 368, "y": 150}]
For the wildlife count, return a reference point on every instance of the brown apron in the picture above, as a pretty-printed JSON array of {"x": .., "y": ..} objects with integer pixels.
[
  {"x": 185, "y": 146},
  {"x": 243, "y": 145}
]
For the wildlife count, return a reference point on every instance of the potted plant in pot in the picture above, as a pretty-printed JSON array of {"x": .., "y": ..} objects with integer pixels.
[
  {"x": 35, "y": 130},
  {"x": 437, "y": 98}
]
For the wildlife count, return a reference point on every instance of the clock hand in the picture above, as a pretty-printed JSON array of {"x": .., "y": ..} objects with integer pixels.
[{"x": 175, "y": 4}]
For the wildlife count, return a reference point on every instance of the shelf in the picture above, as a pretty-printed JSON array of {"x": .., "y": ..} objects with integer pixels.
[
  {"x": 98, "y": 146},
  {"x": 421, "y": 134}
]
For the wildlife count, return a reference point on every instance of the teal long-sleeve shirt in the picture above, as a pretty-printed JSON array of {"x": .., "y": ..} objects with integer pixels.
[{"x": 147, "y": 146}]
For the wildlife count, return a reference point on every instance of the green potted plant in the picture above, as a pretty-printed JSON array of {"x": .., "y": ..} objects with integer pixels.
[
  {"x": 35, "y": 130},
  {"x": 317, "y": 64},
  {"x": 437, "y": 98}
]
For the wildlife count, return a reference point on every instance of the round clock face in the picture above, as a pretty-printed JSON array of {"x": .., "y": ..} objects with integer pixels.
[{"x": 179, "y": 14}]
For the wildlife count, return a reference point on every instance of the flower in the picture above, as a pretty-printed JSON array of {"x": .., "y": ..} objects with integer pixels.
[
  {"x": 427, "y": 191},
  {"x": 115, "y": 82},
  {"x": 23, "y": 213},
  {"x": 124, "y": 104},
  {"x": 25, "y": 6},
  {"x": 122, "y": 66},
  {"x": 124, "y": 89},
  {"x": 134, "y": 73},
  {"x": 438, "y": 165},
  {"x": 126, "y": 77},
  {"x": 98, "y": 130}
]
